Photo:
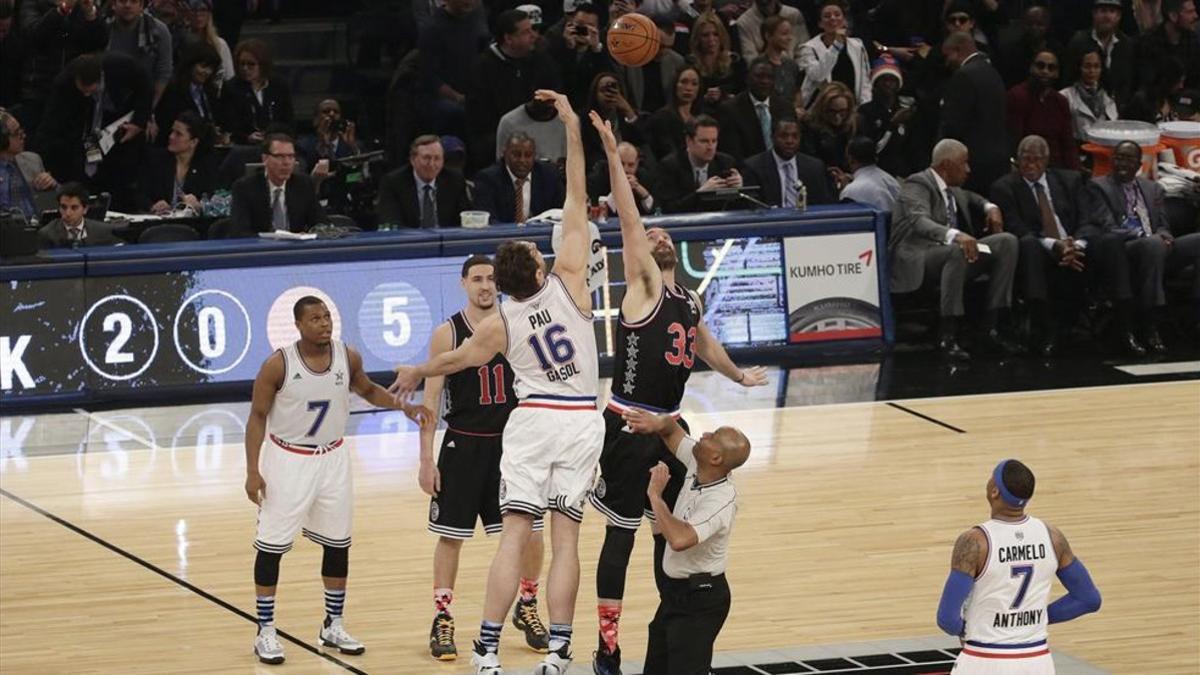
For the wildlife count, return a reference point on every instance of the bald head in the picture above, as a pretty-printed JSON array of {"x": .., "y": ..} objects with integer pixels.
[
  {"x": 957, "y": 47},
  {"x": 722, "y": 450}
]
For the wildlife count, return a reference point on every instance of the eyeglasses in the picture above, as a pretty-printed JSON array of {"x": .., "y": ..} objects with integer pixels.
[{"x": 958, "y": 18}]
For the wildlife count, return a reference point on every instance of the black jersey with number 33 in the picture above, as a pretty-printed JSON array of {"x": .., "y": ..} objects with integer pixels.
[
  {"x": 478, "y": 400},
  {"x": 654, "y": 357}
]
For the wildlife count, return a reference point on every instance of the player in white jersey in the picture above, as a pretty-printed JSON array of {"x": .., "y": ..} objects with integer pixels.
[
  {"x": 552, "y": 440},
  {"x": 996, "y": 598},
  {"x": 301, "y": 481}
]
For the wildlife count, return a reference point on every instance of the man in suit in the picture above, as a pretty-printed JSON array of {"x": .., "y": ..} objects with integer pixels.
[
  {"x": 72, "y": 229},
  {"x": 517, "y": 187},
  {"x": 92, "y": 93},
  {"x": 1137, "y": 247},
  {"x": 1045, "y": 209},
  {"x": 779, "y": 172},
  {"x": 699, "y": 168},
  {"x": 640, "y": 181},
  {"x": 935, "y": 239},
  {"x": 24, "y": 182},
  {"x": 973, "y": 110},
  {"x": 423, "y": 194},
  {"x": 282, "y": 199},
  {"x": 747, "y": 119}
]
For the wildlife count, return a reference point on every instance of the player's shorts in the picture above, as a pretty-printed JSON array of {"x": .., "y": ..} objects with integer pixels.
[
  {"x": 551, "y": 451},
  {"x": 469, "y": 465},
  {"x": 1026, "y": 659},
  {"x": 625, "y": 465},
  {"x": 309, "y": 491}
]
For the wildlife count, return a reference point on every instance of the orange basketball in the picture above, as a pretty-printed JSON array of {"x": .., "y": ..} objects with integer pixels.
[{"x": 633, "y": 40}]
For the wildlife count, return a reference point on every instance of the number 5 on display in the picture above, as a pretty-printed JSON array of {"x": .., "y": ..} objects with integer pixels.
[{"x": 394, "y": 315}]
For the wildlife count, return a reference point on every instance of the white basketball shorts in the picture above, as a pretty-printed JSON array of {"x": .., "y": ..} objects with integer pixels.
[
  {"x": 309, "y": 490},
  {"x": 551, "y": 457}
]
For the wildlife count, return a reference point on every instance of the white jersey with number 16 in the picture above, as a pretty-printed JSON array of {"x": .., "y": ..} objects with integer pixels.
[{"x": 551, "y": 344}]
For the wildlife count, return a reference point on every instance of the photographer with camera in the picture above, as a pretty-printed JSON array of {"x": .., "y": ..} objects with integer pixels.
[
  {"x": 333, "y": 136},
  {"x": 579, "y": 51}
]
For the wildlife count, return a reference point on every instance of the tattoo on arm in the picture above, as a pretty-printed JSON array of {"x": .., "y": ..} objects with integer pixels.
[
  {"x": 968, "y": 554},
  {"x": 1061, "y": 547}
]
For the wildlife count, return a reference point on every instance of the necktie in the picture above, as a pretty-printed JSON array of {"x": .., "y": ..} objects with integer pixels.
[
  {"x": 279, "y": 219},
  {"x": 789, "y": 185},
  {"x": 1049, "y": 224},
  {"x": 764, "y": 123},
  {"x": 519, "y": 196},
  {"x": 1136, "y": 215},
  {"x": 951, "y": 210},
  {"x": 76, "y": 235},
  {"x": 429, "y": 209}
]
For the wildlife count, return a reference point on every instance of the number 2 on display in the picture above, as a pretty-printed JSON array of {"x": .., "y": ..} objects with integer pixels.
[{"x": 321, "y": 407}]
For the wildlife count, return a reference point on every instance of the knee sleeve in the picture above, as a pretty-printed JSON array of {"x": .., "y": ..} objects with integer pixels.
[
  {"x": 614, "y": 560},
  {"x": 266, "y": 569},
  {"x": 336, "y": 562}
]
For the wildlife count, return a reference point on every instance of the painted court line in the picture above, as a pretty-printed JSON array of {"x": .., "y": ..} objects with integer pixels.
[{"x": 1174, "y": 368}]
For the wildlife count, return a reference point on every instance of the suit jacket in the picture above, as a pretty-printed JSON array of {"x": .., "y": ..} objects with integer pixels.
[
  {"x": 677, "y": 182},
  {"x": 741, "y": 134},
  {"x": 68, "y": 114},
  {"x": 242, "y": 114},
  {"x": 31, "y": 166},
  {"x": 1107, "y": 198},
  {"x": 399, "y": 203},
  {"x": 54, "y": 234},
  {"x": 920, "y": 222},
  {"x": 177, "y": 99},
  {"x": 158, "y": 177},
  {"x": 251, "y": 209},
  {"x": 1068, "y": 197},
  {"x": 973, "y": 111},
  {"x": 495, "y": 194},
  {"x": 761, "y": 170}
]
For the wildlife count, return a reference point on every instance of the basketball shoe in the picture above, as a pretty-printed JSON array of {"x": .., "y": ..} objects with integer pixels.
[
  {"x": 485, "y": 662},
  {"x": 525, "y": 619},
  {"x": 556, "y": 662},
  {"x": 267, "y": 647},
  {"x": 441, "y": 638},
  {"x": 333, "y": 634}
]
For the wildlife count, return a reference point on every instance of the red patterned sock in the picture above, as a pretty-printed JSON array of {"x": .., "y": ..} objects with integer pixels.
[
  {"x": 610, "y": 616},
  {"x": 529, "y": 589},
  {"x": 442, "y": 597}
]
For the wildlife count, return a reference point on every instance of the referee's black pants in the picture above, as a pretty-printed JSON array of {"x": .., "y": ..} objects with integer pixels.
[{"x": 690, "y": 614}]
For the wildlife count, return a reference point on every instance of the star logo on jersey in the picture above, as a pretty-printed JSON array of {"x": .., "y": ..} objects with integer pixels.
[
  {"x": 628, "y": 387},
  {"x": 632, "y": 351},
  {"x": 632, "y": 339},
  {"x": 339, "y": 378}
]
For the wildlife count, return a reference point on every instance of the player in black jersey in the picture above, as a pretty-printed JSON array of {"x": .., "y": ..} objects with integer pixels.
[
  {"x": 465, "y": 482},
  {"x": 660, "y": 334}
]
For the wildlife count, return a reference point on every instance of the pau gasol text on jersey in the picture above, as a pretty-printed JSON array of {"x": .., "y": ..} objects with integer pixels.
[{"x": 562, "y": 350}]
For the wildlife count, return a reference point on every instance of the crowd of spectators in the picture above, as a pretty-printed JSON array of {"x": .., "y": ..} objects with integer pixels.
[{"x": 935, "y": 110}]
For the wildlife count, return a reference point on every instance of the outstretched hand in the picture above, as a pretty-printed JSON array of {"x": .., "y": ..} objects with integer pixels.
[
  {"x": 561, "y": 104},
  {"x": 407, "y": 381},
  {"x": 644, "y": 422},
  {"x": 604, "y": 128},
  {"x": 753, "y": 377},
  {"x": 424, "y": 417}
]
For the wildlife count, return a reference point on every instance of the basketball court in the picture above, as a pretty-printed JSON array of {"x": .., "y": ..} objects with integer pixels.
[{"x": 127, "y": 535}]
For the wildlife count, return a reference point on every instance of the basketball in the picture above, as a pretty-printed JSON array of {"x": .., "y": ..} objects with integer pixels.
[{"x": 633, "y": 40}]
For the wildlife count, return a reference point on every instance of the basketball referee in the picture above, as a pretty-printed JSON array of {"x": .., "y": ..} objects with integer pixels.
[{"x": 694, "y": 600}]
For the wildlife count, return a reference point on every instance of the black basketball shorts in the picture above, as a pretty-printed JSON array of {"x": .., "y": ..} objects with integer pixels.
[
  {"x": 625, "y": 464},
  {"x": 470, "y": 469}
]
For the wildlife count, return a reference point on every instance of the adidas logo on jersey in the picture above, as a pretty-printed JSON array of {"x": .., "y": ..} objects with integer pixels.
[
  {"x": 296, "y": 376},
  {"x": 450, "y": 444}
]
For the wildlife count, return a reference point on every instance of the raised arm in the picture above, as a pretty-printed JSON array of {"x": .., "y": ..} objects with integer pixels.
[
  {"x": 490, "y": 338},
  {"x": 642, "y": 276},
  {"x": 970, "y": 551},
  {"x": 266, "y": 384},
  {"x": 570, "y": 263}
]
